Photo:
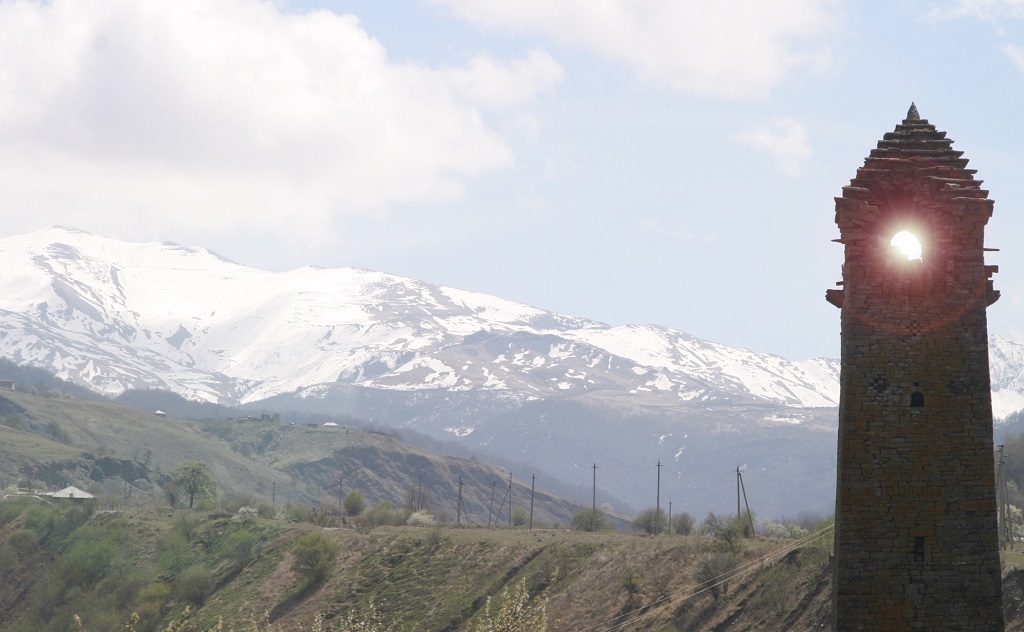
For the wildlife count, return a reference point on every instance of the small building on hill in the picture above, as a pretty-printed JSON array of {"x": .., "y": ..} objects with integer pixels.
[
  {"x": 71, "y": 493},
  {"x": 7, "y": 385}
]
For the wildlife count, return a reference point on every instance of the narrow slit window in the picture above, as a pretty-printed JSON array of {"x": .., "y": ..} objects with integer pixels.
[
  {"x": 917, "y": 399},
  {"x": 919, "y": 548}
]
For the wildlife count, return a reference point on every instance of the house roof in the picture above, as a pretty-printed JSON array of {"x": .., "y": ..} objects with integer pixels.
[{"x": 71, "y": 492}]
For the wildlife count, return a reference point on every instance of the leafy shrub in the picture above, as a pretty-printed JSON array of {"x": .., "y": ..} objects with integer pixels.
[
  {"x": 194, "y": 584},
  {"x": 149, "y": 605},
  {"x": 295, "y": 512},
  {"x": 651, "y": 521},
  {"x": 11, "y": 510},
  {"x": 315, "y": 555},
  {"x": 90, "y": 555},
  {"x": 520, "y": 517},
  {"x": 25, "y": 543},
  {"x": 421, "y": 519},
  {"x": 175, "y": 555},
  {"x": 354, "y": 504},
  {"x": 382, "y": 515},
  {"x": 589, "y": 520},
  {"x": 186, "y": 523},
  {"x": 9, "y": 562},
  {"x": 233, "y": 501},
  {"x": 682, "y": 524},
  {"x": 54, "y": 525},
  {"x": 266, "y": 510},
  {"x": 239, "y": 546},
  {"x": 125, "y": 589}
]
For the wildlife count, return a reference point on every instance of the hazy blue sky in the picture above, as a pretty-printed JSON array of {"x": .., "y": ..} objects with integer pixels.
[{"x": 670, "y": 162}]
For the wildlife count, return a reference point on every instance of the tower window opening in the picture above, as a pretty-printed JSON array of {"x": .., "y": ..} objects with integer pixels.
[
  {"x": 907, "y": 245},
  {"x": 917, "y": 399},
  {"x": 919, "y": 548}
]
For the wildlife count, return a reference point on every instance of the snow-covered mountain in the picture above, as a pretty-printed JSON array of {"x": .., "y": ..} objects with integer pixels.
[
  {"x": 555, "y": 391},
  {"x": 114, "y": 315}
]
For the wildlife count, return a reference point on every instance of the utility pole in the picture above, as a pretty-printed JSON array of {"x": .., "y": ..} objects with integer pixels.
[
  {"x": 419, "y": 495},
  {"x": 490, "y": 509},
  {"x": 1006, "y": 537},
  {"x": 1001, "y": 500},
  {"x": 506, "y": 494},
  {"x": 593, "y": 507},
  {"x": 753, "y": 532},
  {"x": 657, "y": 504},
  {"x": 1006, "y": 505},
  {"x": 533, "y": 490},
  {"x": 273, "y": 493},
  {"x": 738, "y": 513},
  {"x": 1009, "y": 516},
  {"x": 670, "y": 517},
  {"x": 510, "y": 499},
  {"x": 341, "y": 491},
  {"x": 458, "y": 510}
]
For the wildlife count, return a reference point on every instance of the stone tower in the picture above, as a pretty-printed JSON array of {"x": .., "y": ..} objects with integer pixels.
[{"x": 916, "y": 544}]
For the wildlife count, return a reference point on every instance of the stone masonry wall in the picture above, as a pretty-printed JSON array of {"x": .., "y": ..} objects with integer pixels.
[{"x": 916, "y": 533}]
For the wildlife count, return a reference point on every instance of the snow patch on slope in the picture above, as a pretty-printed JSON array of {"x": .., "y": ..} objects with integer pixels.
[{"x": 115, "y": 315}]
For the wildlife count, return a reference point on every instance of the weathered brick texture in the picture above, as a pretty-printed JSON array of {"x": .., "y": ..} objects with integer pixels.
[{"x": 916, "y": 537}]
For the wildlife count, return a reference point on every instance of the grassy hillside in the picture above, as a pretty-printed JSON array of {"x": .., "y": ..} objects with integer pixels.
[
  {"x": 90, "y": 430},
  {"x": 105, "y": 448},
  {"x": 61, "y": 561},
  {"x": 108, "y": 560}
]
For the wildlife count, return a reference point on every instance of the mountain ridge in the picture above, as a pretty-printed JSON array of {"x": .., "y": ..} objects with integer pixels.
[
  {"x": 161, "y": 315},
  {"x": 531, "y": 386}
]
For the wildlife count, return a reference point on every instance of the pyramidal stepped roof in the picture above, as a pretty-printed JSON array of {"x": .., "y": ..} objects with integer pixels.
[
  {"x": 915, "y": 137},
  {"x": 916, "y": 145}
]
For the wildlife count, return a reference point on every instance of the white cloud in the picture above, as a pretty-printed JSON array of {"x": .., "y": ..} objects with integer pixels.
[
  {"x": 990, "y": 10},
  {"x": 784, "y": 139},
  {"x": 221, "y": 113},
  {"x": 726, "y": 48},
  {"x": 488, "y": 82},
  {"x": 1016, "y": 55}
]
